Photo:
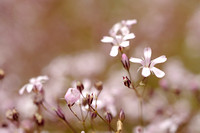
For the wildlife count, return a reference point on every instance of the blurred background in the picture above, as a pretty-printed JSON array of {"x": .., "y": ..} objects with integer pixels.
[{"x": 61, "y": 39}]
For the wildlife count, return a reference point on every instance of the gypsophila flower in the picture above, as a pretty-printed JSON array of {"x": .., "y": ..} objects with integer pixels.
[
  {"x": 119, "y": 36},
  {"x": 34, "y": 83},
  {"x": 148, "y": 64},
  {"x": 72, "y": 95}
]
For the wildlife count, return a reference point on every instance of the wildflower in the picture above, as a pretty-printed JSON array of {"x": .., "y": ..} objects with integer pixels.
[
  {"x": 72, "y": 95},
  {"x": 34, "y": 84},
  {"x": 119, "y": 36},
  {"x": 148, "y": 64}
]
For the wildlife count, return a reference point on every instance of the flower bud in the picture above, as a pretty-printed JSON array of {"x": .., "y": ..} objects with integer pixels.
[
  {"x": 39, "y": 119},
  {"x": 79, "y": 86},
  {"x": 60, "y": 113},
  {"x": 125, "y": 61},
  {"x": 12, "y": 115},
  {"x": 2, "y": 74},
  {"x": 127, "y": 81},
  {"x": 99, "y": 85},
  {"x": 119, "y": 126},
  {"x": 108, "y": 117},
  {"x": 89, "y": 99},
  {"x": 121, "y": 115},
  {"x": 72, "y": 95},
  {"x": 93, "y": 115}
]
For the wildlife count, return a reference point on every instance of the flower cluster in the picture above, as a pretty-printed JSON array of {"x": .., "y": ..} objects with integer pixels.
[{"x": 119, "y": 36}]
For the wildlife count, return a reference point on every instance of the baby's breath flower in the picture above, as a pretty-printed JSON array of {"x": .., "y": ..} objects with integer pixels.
[
  {"x": 119, "y": 36},
  {"x": 34, "y": 83},
  {"x": 148, "y": 64}
]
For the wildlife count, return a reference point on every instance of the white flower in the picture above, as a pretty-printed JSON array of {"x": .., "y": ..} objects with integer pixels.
[
  {"x": 34, "y": 83},
  {"x": 119, "y": 36},
  {"x": 123, "y": 27},
  {"x": 148, "y": 65}
]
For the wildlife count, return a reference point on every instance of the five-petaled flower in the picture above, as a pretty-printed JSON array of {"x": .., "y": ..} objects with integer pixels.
[
  {"x": 72, "y": 95},
  {"x": 119, "y": 36},
  {"x": 148, "y": 64},
  {"x": 34, "y": 84}
]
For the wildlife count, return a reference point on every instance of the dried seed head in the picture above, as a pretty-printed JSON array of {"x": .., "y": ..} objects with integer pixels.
[
  {"x": 125, "y": 61},
  {"x": 127, "y": 81},
  {"x": 39, "y": 119},
  {"x": 2, "y": 74},
  {"x": 12, "y": 115},
  {"x": 79, "y": 86},
  {"x": 121, "y": 115},
  {"x": 59, "y": 113},
  {"x": 108, "y": 117},
  {"x": 98, "y": 85}
]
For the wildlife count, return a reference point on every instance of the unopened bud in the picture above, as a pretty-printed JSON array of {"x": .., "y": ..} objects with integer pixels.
[
  {"x": 12, "y": 115},
  {"x": 99, "y": 85},
  {"x": 119, "y": 126},
  {"x": 121, "y": 115},
  {"x": 89, "y": 99},
  {"x": 93, "y": 115},
  {"x": 2, "y": 74},
  {"x": 125, "y": 61},
  {"x": 39, "y": 119},
  {"x": 60, "y": 113},
  {"x": 108, "y": 117},
  {"x": 127, "y": 82},
  {"x": 79, "y": 86}
]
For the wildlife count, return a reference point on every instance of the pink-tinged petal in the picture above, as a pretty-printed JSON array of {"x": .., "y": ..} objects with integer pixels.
[
  {"x": 21, "y": 91},
  {"x": 124, "y": 30},
  {"x": 131, "y": 22},
  {"x": 42, "y": 79},
  {"x": 160, "y": 59},
  {"x": 72, "y": 95},
  {"x": 114, "y": 51},
  {"x": 129, "y": 36},
  {"x": 29, "y": 87},
  {"x": 136, "y": 60},
  {"x": 125, "y": 44},
  {"x": 107, "y": 39},
  {"x": 147, "y": 54},
  {"x": 116, "y": 27},
  {"x": 158, "y": 72},
  {"x": 146, "y": 72}
]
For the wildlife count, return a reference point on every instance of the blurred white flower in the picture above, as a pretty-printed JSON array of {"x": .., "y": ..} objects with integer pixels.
[
  {"x": 34, "y": 83},
  {"x": 148, "y": 64},
  {"x": 119, "y": 40}
]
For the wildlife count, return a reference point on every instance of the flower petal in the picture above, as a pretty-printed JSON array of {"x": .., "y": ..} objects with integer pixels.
[
  {"x": 29, "y": 87},
  {"x": 114, "y": 51},
  {"x": 146, "y": 71},
  {"x": 107, "y": 39},
  {"x": 158, "y": 72},
  {"x": 160, "y": 59},
  {"x": 131, "y": 22},
  {"x": 42, "y": 79},
  {"x": 124, "y": 44},
  {"x": 129, "y": 36},
  {"x": 147, "y": 53},
  {"x": 21, "y": 91},
  {"x": 136, "y": 60}
]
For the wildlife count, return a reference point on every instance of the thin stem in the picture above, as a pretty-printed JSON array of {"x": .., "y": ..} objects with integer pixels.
[
  {"x": 83, "y": 120},
  {"x": 74, "y": 113},
  {"x": 69, "y": 125},
  {"x": 102, "y": 118},
  {"x": 134, "y": 88}
]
